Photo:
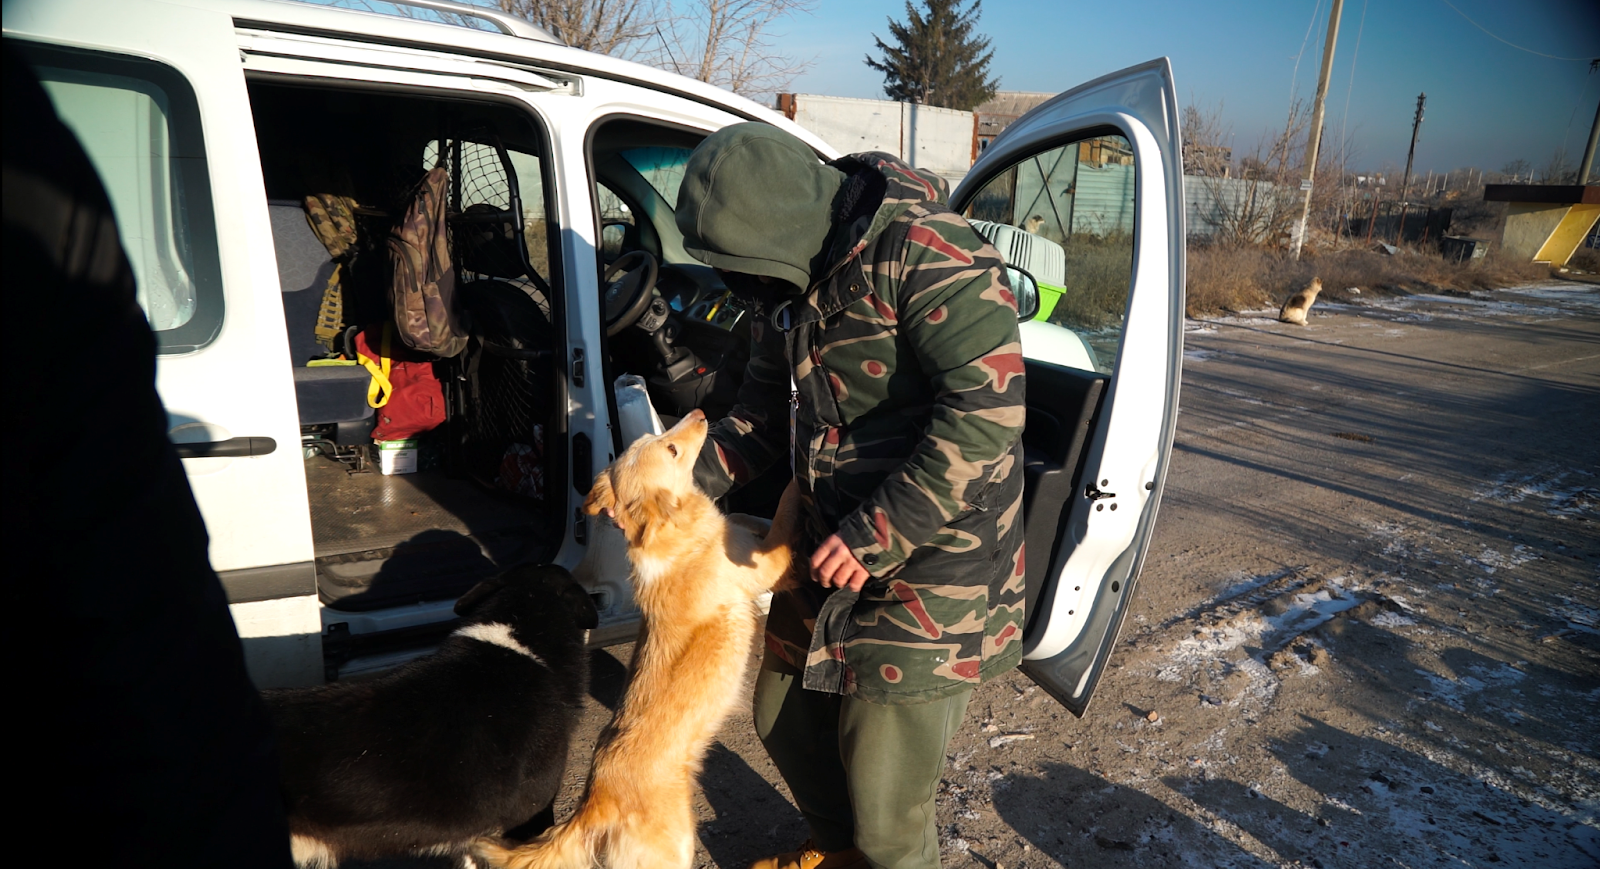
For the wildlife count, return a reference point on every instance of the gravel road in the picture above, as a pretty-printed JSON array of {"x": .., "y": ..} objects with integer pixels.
[{"x": 1366, "y": 632}]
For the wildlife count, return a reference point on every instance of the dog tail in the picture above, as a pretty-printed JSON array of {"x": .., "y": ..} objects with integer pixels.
[{"x": 568, "y": 845}]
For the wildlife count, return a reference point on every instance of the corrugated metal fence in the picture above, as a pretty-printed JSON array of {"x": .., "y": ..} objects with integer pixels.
[
  {"x": 1207, "y": 199},
  {"x": 1103, "y": 201}
]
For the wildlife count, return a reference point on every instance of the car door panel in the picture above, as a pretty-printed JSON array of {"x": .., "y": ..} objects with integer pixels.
[
  {"x": 1063, "y": 406},
  {"x": 233, "y": 384},
  {"x": 1097, "y": 444}
]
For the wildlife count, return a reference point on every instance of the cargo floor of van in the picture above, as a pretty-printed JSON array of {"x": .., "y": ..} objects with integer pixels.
[{"x": 389, "y": 540}]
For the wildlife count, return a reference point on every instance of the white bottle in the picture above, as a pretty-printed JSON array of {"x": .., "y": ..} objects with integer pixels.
[{"x": 634, "y": 412}]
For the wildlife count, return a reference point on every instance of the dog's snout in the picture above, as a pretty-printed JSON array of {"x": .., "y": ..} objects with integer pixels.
[{"x": 696, "y": 414}]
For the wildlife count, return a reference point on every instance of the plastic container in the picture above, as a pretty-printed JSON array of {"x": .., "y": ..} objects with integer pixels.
[
  {"x": 635, "y": 413},
  {"x": 397, "y": 457},
  {"x": 1049, "y": 295}
]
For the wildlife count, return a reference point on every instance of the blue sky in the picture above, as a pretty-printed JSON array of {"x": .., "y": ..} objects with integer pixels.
[{"x": 1488, "y": 103}]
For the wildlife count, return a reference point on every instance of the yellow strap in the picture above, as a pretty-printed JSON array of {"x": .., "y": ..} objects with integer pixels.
[
  {"x": 330, "y": 315},
  {"x": 379, "y": 389}
]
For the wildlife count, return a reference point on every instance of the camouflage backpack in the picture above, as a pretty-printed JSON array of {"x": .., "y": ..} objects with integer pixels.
[{"x": 424, "y": 288}]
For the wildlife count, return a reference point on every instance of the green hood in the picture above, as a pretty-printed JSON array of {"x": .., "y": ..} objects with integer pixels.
[{"x": 757, "y": 201}]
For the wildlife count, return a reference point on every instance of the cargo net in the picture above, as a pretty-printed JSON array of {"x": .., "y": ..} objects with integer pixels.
[
  {"x": 507, "y": 393},
  {"x": 487, "y": 235},
  {"x": 505, "y": 446}
]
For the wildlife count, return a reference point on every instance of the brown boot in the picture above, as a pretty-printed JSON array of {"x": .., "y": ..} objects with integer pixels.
[{"x": 809, "y": 857}]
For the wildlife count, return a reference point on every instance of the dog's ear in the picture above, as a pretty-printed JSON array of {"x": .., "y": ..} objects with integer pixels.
[
  {"x": 478, "y": 594},
  {"x": 581, "y": 605},
  {"x": 640, "y": 520},
  {"x": 601, "y": 496}
]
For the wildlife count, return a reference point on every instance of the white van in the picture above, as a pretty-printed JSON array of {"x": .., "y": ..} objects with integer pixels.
[{"x": 211, "y": 123}]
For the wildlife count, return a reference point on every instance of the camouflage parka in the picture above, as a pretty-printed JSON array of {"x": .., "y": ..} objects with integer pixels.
[{"x": 907, "y": 367}]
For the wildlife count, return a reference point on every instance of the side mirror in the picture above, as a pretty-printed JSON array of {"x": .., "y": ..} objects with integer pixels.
[
  {"x": 1026, "y": 291},
  {"x": 613, "y": 240}
]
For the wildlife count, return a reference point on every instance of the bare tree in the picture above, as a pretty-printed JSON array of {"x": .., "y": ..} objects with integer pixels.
[
  {"x": 733, "y": 44},
  {"x": 730, "y": 43},
  {"x": 623, "y": 28},
  {"x": 1516, "y": 169},
  {"x": 1558, "y": 170},
  {"x": 1205, "y": 151},
  {"x": 1260, "y": 203}
]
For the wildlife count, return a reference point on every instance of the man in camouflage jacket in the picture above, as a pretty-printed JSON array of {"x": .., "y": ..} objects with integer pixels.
[{"x": 893, "y": 319}]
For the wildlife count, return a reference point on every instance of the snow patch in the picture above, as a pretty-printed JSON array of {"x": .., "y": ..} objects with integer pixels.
[
  {"x": 1550, "y": 487},
  {"x": 1491, "y": 560},
  {"x": 1578, "y": 616},
  {"x": 1387, "y": 619}
]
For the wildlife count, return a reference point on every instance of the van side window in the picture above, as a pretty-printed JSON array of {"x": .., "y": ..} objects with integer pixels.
[
  {"x": 140, "y": 124},
  {"x": 536, "y": 226}
]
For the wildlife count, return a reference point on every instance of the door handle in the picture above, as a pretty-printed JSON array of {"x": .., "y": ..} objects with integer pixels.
[{"x": 230, "y": 448}]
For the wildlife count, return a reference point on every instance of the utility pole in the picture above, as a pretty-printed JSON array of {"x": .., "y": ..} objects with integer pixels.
[
  {"x": 1588, "y": 151},
  {"x": 1416, "y": 124},
  {"x": 1314, "y": 137}
]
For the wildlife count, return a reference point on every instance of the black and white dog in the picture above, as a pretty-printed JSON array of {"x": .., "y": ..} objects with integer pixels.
[{"x": 466, "y": 742}]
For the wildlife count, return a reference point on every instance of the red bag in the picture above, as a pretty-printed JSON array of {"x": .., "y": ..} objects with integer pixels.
[{"x": 412, "y": 401}]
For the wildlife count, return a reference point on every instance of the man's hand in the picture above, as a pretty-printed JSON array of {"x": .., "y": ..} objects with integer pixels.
[{"x": 833, "y": 565}]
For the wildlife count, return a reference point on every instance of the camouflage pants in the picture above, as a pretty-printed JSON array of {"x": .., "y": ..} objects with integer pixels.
[{"x": 862, "y": 773}]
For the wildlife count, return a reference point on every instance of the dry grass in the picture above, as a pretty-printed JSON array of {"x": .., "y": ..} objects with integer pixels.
[
  {"x": 1099, "y": 269},
  {"x": 1585, "y": 259},
  {"x": 1243, "y": 278},
  {"x": 1226, "y": 278},
  {"x": 536, "y": 234}
]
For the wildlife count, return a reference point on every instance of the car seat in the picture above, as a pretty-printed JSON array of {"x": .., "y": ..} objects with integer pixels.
[{"x": 334, "y": 394}]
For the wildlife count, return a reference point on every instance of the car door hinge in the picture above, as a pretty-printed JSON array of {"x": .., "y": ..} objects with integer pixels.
[{"x": 577, "y": 367}]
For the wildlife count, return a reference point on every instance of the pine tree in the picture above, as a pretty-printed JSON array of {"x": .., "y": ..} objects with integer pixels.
[{"x": 937, "y": 60}]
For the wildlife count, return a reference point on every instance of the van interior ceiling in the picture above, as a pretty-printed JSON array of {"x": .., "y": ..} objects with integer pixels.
[{"x": 489, "y": 486}]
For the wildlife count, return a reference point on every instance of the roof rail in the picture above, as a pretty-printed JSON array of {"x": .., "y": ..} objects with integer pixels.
[{"x": 507, "y": 24}]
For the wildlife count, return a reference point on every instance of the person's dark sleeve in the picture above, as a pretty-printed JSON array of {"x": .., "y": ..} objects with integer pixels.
[
  {"x": 755, "y": 434},
  {"x": 149, "y": 744}
]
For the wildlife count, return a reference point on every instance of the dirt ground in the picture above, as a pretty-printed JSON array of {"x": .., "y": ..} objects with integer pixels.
[{"x": 1365, "y": 634}]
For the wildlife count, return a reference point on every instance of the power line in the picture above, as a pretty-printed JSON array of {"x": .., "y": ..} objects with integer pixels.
[
  {"x": 1583, "y": 93},
  {"x": 1351, "y": 86},
  {"x": 1344, "y": 140},
  {"x": 1512, "y": 44},
  {"x": 1294, "y": 77}
]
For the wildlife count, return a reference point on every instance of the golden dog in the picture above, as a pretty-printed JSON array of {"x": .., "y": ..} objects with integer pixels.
[{"x": 696, "y": 577}]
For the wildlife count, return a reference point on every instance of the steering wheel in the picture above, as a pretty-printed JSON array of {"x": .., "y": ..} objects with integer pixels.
[{"x": 629, "y": 284}]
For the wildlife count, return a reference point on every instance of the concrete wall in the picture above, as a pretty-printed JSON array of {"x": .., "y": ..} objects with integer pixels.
[
  {"x": 939, "y": 140},
  {"x": 1528, "y": 227},
  {"x": 1565, "y": 238}
]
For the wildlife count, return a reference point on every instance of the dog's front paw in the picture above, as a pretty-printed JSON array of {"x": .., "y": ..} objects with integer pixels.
[{"x": 791, "y": 579}]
